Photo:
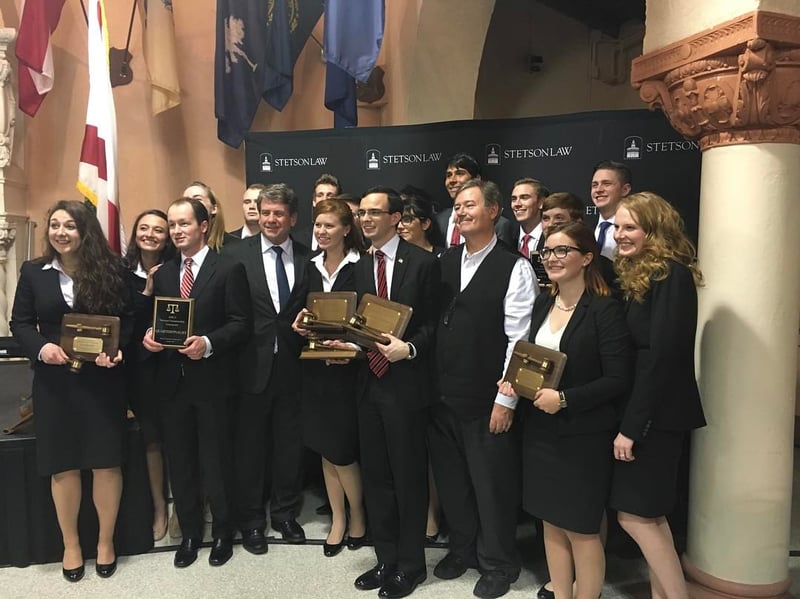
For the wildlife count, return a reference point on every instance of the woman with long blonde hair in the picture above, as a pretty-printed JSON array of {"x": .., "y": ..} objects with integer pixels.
[{"x": 658, "y": 275}]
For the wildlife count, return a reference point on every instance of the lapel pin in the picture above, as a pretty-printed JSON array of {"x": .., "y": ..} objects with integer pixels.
[{"x": 399, "y": 260}]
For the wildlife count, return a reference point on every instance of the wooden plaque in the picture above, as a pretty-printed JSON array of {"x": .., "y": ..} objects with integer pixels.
[
  {"x": 329, "y": 313},
  {"x": 533, "y": 367},
  {"x": 85, "y": 336},
  {"x": 374, "y": 317}
]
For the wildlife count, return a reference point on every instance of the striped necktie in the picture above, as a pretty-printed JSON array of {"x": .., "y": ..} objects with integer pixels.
[
  {"x": 188, "y": 279},
  {"x": 378, "y": 363}
]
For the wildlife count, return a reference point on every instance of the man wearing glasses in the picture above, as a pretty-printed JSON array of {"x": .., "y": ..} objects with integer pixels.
[
  {"x": 393, "y": 396},
  {"x": 489, "y": 291}
]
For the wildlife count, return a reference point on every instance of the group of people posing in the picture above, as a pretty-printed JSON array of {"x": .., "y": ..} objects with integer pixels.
[{"x": 424, "y": 423}]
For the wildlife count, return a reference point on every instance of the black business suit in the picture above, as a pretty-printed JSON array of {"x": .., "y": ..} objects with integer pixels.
[
  {"x": 392, "y": 415},
  {"x": 196, "y": 394},
  {"x": 80, "y": 418},
  {"x": 664, "y": 403},
  {"x": 569, "y": 453},
  {"x": 269, "y": 420}
]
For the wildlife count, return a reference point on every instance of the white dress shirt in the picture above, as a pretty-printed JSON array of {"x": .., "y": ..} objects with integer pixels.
[
  {"x": 518, "y": 303},
  {"x": 64, "y": 280},
  {"x": 609, "y": 245},
  {"x": 533, "y": 241},
  {"x": 197, "y": 262},
  {"x": 328, "y": 280},
  {"x": 269, "y": 257}
]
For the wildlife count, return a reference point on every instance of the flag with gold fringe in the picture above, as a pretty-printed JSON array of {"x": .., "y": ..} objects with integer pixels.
[{"x": 160, "y": 54}]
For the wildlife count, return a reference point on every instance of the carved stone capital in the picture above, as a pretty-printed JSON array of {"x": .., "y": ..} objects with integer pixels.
[
  {"x": 733, "y": 84},
  {"x": 8, "y": 233}
]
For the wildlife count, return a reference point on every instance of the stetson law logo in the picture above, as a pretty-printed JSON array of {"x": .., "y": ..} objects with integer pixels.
[
  {"x": 269, "y": 163},
  {"x": 266, "y": 162},
  {"x": 635, "y": 147},
  {"x": 493, "y": 153},
  {"x": 373, "y": 158}
]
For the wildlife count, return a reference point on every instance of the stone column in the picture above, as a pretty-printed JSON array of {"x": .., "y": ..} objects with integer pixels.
[{"x": 736, "y": 88}]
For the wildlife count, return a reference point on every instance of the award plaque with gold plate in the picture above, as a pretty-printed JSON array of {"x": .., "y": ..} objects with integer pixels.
[
  {"x": 173, "y": 321},
  {"x": 533, "y": 367},
  {"x": 326, "y": 317},
  {"x": 85, "y": 336},
  {"x": 374, "y": 317}
]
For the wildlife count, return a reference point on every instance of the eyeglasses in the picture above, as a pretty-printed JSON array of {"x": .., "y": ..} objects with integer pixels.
[
  {"x": 560, "y": 251},
  {"x": 372, "y": 213},
  {"x": 409, "y": 218}
]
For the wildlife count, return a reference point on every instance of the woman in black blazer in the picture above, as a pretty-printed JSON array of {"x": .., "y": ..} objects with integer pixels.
[
  {"x": 658, "y": 276},
  {"x": 330, "y": 422},
  {"x": 149, "y": 247},
  {"x": 80, "y": 417},
  {"x": 567, "y": 432}
]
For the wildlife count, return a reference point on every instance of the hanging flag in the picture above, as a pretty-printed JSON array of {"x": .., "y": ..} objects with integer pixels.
[
  {"x": 352, "y": 41},
  {"x": 158, "y": 41},
  {"x": 35, "y": 53},
  {"x": 97, "y": 172},
  {"x": 258, "y": 43}
]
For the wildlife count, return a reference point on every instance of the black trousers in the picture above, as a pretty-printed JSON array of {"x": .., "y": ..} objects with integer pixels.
[
  {"x": 268, "y": 450},
  {"x": 477, "y": 476},
  {"x": 196, "y": 432},
  {"x": 394, "y": 470}
]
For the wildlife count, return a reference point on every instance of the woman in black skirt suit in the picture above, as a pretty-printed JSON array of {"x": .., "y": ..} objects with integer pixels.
[
  {"x": 567, "y": 432},
  {"x": 658, "y": 275},
  {"x": 80, "y": 418},
  {"x": 148, "y": 248},
  {"x": 329, "y": 405}
]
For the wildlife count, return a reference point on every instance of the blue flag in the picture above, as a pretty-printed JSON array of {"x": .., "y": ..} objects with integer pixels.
[
  {"x": 353, "y": 37},
  {"x": 258, "y": 42}
]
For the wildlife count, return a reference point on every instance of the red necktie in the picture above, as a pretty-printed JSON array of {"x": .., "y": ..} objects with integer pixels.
[
  {"x": 188, "y": 279},
  {"x": 378, "y": 363},
  {"x": 524, "y": 248},
  {"x": 455, "y": 237}
]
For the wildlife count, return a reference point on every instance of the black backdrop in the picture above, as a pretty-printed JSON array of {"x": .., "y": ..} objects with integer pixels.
[{"x": 560, "y": 151}]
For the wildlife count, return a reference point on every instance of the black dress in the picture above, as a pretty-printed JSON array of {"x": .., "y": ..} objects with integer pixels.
[
  {"x": 330, "y": 420},
  {"x": 140, "y": 366},
  {"x": 567, "y": 456},
  {"x": 665, "y": 402},
  {"x": 79, "y": 418}
]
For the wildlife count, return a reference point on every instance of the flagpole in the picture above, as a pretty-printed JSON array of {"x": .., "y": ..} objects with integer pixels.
[{"x": 85, "y": 15}]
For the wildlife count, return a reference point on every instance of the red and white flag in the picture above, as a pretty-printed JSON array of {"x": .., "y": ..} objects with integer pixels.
[
  {"x": 97, "y": 173},
  {"x": 34, "y": 52}
]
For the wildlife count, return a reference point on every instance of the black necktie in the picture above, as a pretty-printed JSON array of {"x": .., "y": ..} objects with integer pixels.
[{"x": 283, "y": 280}]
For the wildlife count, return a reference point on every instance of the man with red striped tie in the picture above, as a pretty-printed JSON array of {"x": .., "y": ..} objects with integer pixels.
[
  {"x": 394, "y": 392},
  {"x": 195, "y": 381}
]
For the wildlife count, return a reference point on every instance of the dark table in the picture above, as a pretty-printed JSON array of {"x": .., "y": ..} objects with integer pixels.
[{"x": 29, "y": 531}]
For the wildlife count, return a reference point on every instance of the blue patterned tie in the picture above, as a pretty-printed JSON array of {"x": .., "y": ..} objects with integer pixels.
[
  {"x": 601, "y": 237},
  {"x": 283, "y": 280}
]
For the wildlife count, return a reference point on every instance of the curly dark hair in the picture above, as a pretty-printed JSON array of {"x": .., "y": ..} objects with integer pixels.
[
  {"x": 100, "y": 280},
  {"x": 133, "y": 255}
]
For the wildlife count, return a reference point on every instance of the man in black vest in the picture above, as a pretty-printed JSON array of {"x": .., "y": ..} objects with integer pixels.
[
  {"x": 269, "y": 425},
  {"x": 487, "y": 297},
  {"x": 394, "y": 391}
]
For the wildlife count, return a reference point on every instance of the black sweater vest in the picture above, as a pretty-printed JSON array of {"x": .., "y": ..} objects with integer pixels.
[{"x": 471, "y": 340}]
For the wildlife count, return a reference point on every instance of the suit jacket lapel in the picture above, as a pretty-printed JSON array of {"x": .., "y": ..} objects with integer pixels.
[
  {"x": 258, "y": 279},
  {"x": 171, "y": 273},
  {"x": 580, "y": 313},
  {"x": 400, "y": 268},
  {"x": 300, "y": 259},
  {"x": 368, "y": 264},
  {"x": 205, "y": 274}
]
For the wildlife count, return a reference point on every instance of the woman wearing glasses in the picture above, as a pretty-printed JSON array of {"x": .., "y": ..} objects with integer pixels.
[
  {"x": 417, "y": 225},
  {"x": 568, "y": 432},
  {"x": 329, "y": 408},
  {"x": 658, "y": 275},
  {"x": 80, "y": 417}
]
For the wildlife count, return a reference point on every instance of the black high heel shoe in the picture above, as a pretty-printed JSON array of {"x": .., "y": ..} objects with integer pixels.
[
  {"x": 331, "y": 549},
  {"x": 74, "y": 574},
  {"x": 354, "y": 543},
  {"x": 106, "y": 570}
]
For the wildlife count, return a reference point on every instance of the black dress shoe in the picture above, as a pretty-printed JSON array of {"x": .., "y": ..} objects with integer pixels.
[
  {"x": 254, "y": 541},
  {"x": 74, "y": 574},
  {"x": 290, "y": 530},
  {"x": 331, "y": 549},
  {"x": 545, "y": 593},
  {"x": 401, "y": 584},
  {"x": 221, "y": 551},
  {"x": 451, "y": 566},
  {"x": 186, "y": 553},
  {"x": 374, "y": 578},
  {"x": 493, "y": 584},
  {"x": 431, "y": 539},
  {"x": 106, "y": 570},
  {"x": 354, "y": 543}
]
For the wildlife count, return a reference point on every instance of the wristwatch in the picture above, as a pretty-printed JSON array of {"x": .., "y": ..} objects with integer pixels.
[
  {"x": 562, "y": 400},
  {"x": 412, "y": 351}
]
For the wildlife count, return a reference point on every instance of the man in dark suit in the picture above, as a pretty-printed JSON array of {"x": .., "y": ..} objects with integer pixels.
[
  {"x": 487, "y": 294},
  {"x": 526, "y": 204},
  {"x": 268, "y": 438},
  {"x": 326, "y": 186},
  {"x": 460, "y": 169},
  {"x": 249, "y": 212},
  {"x": 611, "y": 181},
  {"x": 393, "y": 396},
  {"x": 195, "y": 380}
]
